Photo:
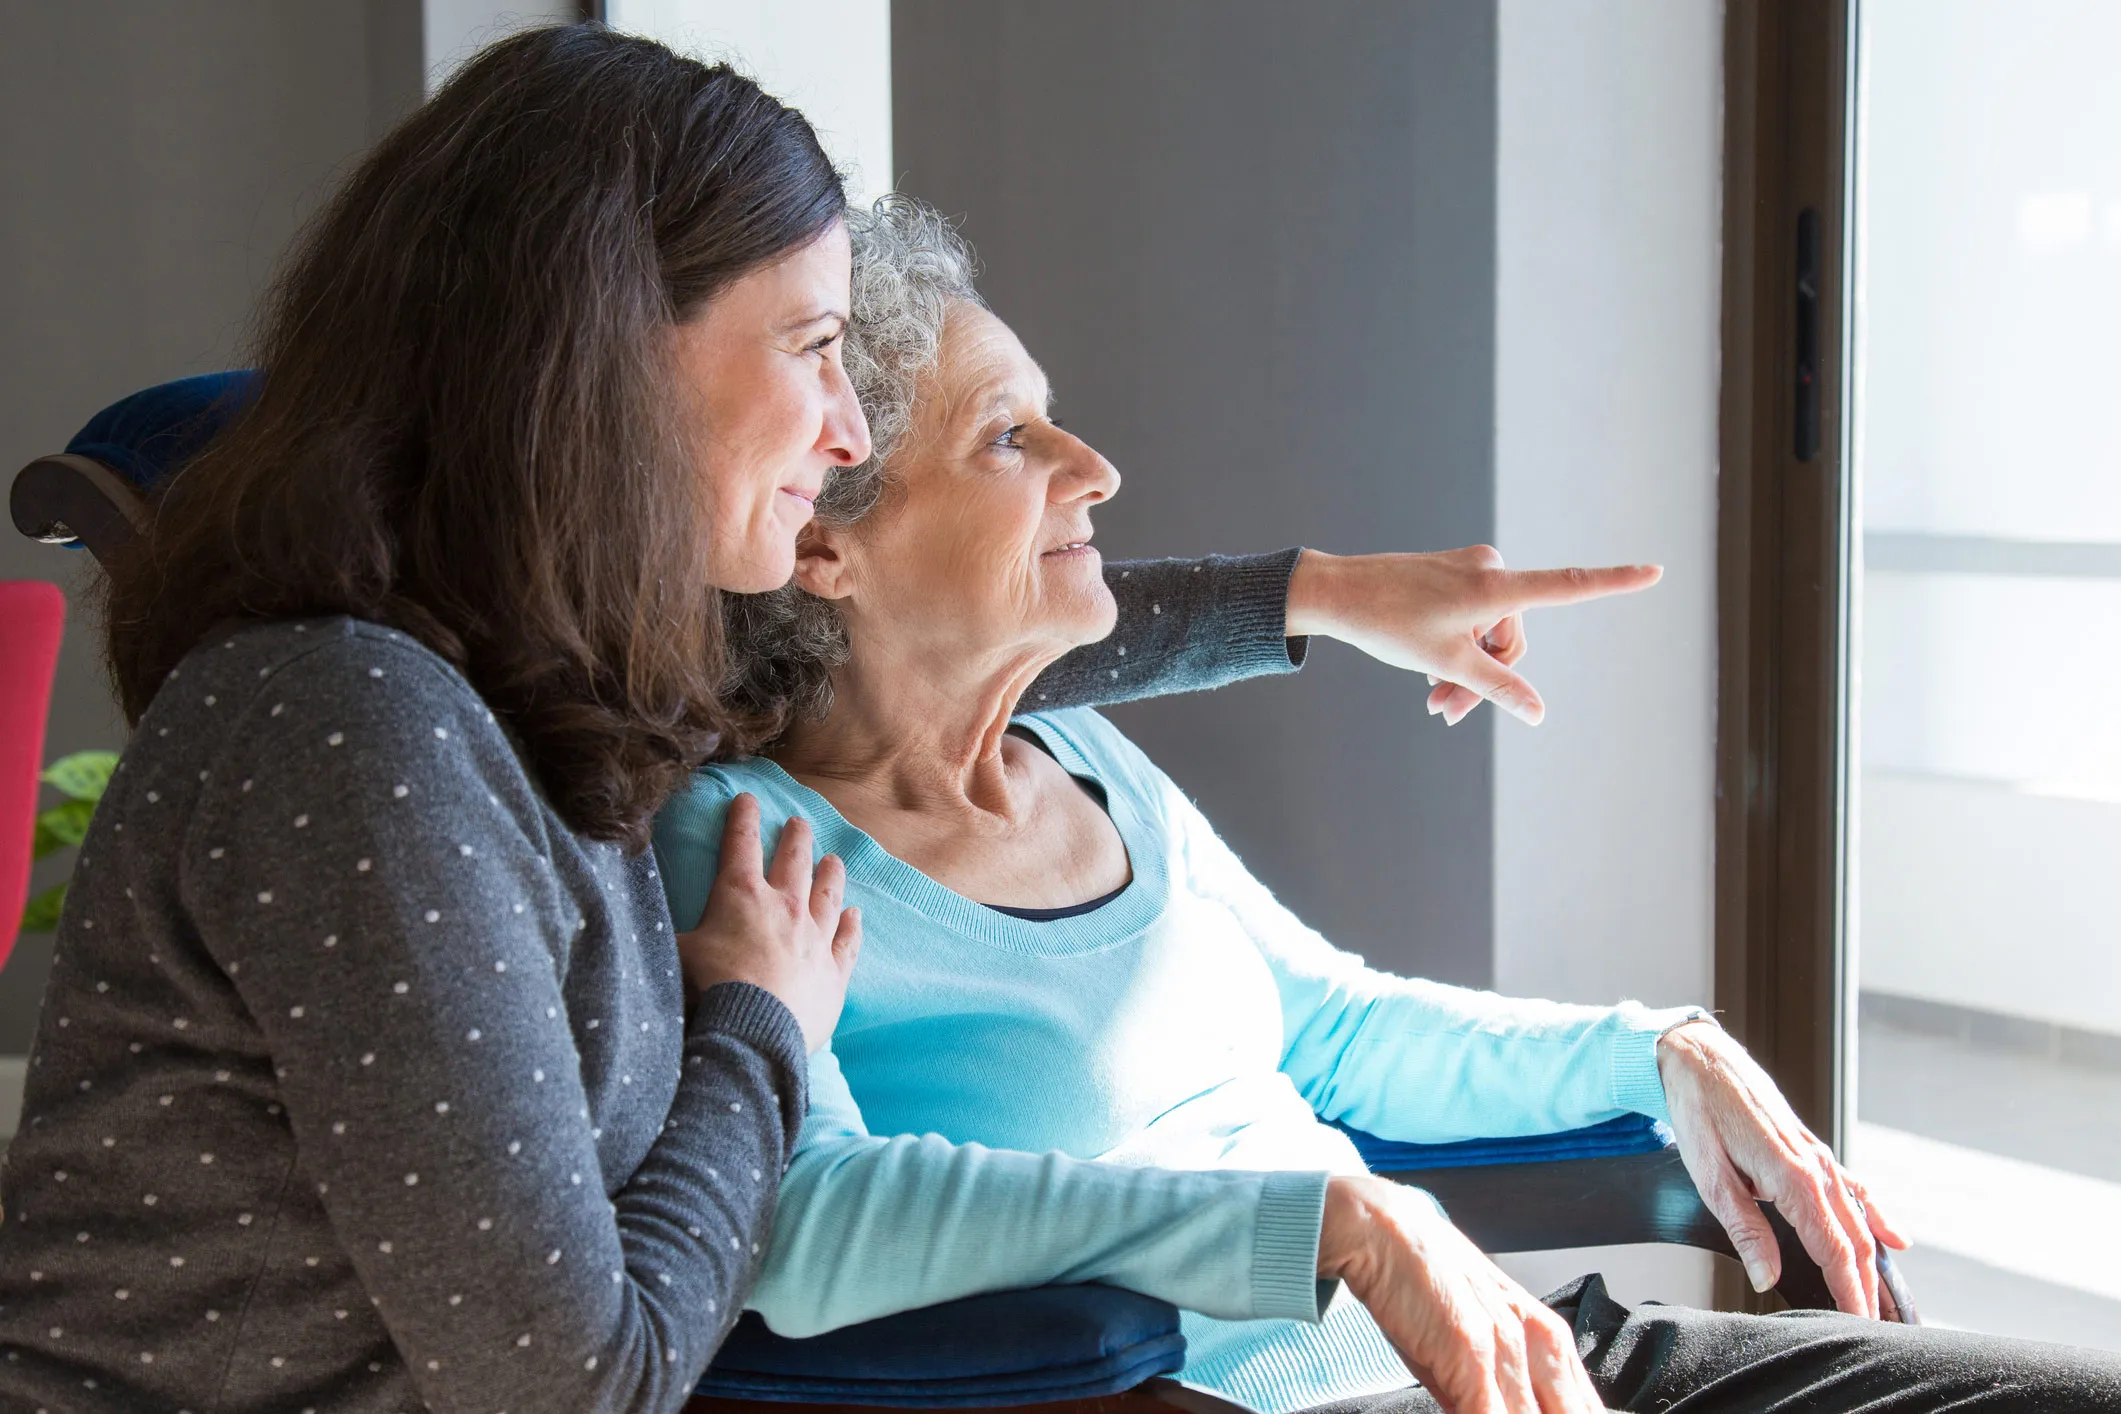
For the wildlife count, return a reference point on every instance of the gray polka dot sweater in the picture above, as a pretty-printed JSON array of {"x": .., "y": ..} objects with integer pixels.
[{"x": 364, "y": 1084}]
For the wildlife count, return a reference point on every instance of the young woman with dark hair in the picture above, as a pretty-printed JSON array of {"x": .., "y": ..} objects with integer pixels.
[{"x": 374, "y": 1071}]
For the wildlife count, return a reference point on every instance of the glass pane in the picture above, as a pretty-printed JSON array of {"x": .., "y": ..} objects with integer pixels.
[{"x": 1988, "y": 686}]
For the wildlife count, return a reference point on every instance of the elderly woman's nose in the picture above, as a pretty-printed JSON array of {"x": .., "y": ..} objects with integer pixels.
[
  {"x": 1088, "y": 473},
  {"x": 845, "y": 435}
]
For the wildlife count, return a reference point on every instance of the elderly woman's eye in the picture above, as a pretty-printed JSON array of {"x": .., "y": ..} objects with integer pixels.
[{"x": 1013, "y": 438}]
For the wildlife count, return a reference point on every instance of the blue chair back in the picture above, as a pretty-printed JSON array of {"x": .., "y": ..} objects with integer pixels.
[{"x": 146, "y": 437}]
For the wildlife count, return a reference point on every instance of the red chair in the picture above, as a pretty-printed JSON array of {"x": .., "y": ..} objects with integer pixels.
[{"x": 31, "y": 614}]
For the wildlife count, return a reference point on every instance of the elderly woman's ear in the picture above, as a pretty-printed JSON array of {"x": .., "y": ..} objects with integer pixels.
[{"x": 820, "y": 567}]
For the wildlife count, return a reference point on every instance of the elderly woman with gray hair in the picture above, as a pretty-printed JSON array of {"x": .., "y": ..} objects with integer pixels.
[{"x": 1083, "y": 1043}]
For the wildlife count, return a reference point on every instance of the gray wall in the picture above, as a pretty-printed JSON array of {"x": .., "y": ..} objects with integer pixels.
[
  {"x": 155, "y": 159},
  {"x": 1253, "y": 243}
]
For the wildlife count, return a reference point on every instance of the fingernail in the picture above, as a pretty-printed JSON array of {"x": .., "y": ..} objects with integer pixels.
[
  {"x": 1523, "y": 711},
  {"x": 1757, "y": 1273}
]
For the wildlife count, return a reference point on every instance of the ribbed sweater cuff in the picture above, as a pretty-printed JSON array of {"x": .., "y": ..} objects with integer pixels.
[
  {"x": 1254, "y": 595},
  {"x": 1637, "y": 1086},
  {"x": 1285, "y": 1284},
  {"x": 756, "y": 1017}
]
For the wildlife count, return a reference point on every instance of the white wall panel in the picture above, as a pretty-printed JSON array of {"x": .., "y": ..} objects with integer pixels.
[
  {"x": 1608, "y": 225},
  {"x": 454, "y": 30},
  {"x": 829, "y": 58},
  {"x": 1607, "y": 269}
]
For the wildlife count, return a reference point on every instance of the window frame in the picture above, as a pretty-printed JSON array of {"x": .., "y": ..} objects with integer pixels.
[{"x": 1783, "y": 549}]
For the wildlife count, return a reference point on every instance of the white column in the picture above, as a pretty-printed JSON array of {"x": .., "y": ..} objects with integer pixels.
[
  {"x": 1607, "y": 266},
  {"x": 451, "y": 31},
  {"x": 829, "y": 58}
]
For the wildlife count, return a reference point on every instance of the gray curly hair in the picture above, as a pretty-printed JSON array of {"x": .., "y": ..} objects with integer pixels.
[{"x": 910, "y": 265}]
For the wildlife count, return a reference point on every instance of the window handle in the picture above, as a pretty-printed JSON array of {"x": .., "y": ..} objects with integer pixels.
[{"x": 1806, "y": 432}]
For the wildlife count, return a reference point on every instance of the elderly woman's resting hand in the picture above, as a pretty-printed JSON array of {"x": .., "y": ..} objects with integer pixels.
[
  {"x": 1742, "y": 1142},
  {"x": 1477, "y": 1341},
  {"x": 1457, "y": 616}
]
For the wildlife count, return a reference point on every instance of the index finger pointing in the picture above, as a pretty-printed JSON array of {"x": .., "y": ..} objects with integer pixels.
[{"x": 1534, "y": 589}]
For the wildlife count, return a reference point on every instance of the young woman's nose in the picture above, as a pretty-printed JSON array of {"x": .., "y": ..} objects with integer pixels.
[{"x": 845, "y": 435}]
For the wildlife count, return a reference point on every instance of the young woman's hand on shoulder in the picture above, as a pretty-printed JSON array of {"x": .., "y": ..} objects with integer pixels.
[{"x": 782, "y": 929}]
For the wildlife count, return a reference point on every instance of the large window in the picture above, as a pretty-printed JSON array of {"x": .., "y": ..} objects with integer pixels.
[{"x": 1986, "y": 891}]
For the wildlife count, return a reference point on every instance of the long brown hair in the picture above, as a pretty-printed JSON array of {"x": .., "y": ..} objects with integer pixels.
[{"x": 466, "y": 426}]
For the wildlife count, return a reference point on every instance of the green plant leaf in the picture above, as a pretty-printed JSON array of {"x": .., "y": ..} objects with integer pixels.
[
  {"x": 62, "y": 825},
  {"x": 83, "y": 775},
  {"x": 41, "y": 914}
]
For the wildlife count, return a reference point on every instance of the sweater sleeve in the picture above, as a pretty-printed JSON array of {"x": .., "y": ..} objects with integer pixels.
[
  {"x": 1184, "y": 625},
  {"x": 1421, "y": 1061},
  {"x": 871, "y": 1225},
  {"x": 369, "y": 868}
]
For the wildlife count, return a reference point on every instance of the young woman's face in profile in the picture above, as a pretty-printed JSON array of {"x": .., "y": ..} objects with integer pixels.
[{"x": 776, "y": 413}]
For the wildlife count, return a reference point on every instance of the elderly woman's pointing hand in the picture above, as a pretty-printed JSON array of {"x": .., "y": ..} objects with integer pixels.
[{"x": 1457, "y": 616}]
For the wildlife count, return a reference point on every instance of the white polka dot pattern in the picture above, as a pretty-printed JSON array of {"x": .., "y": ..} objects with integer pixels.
[{"x": 375, "y": 906}]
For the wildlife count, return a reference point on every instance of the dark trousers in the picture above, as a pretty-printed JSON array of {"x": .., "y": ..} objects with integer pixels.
[{"x": 1675, "y": 1360}]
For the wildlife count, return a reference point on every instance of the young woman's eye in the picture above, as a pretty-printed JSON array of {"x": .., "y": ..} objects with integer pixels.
[{"x": 825, "y": 342}]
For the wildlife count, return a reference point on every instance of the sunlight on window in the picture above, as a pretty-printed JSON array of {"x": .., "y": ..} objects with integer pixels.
[{"x": 1987, "y": 914}]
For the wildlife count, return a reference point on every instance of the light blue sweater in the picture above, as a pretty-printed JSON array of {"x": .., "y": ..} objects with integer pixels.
[{"x": 1135, "y": 1095}]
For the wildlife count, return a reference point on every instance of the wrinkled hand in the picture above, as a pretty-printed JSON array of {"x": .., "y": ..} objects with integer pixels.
[
  {"x": 1457, "y": 616},
  {"x": 1741, "y": 1142},
  {"x": 1477, "y": 1341},
  {"x": 781, "y": 929}
]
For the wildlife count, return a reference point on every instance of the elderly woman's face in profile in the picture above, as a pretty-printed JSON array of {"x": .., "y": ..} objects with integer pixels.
[{"x": 982, "y": 542}]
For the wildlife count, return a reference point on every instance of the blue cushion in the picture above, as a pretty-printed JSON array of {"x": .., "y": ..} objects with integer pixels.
[
  {"x": 1008, "y": 1347},
  {"x": 1629, "y": 1134},
  {"x": 146, "y": 437}
]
